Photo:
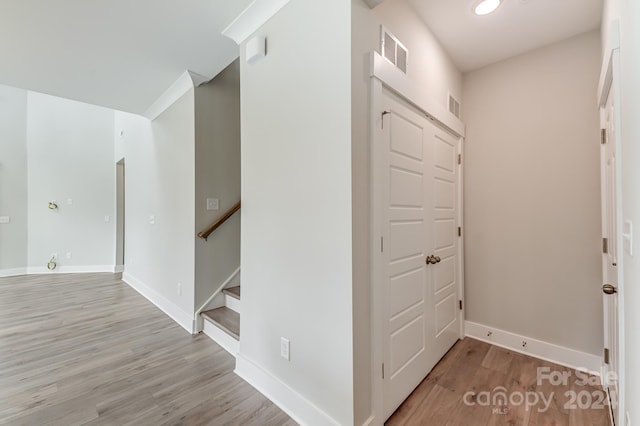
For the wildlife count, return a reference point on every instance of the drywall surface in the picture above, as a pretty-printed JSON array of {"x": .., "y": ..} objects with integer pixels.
[
  {"x": 610, "y": 13},
  {"x": 159, "y": 200},
  {"x": 70, "y": 153},
  {"x": 13, "y": 179},
  {"x": 434, "y": 74},
  {"x": 217, "y": 168},
  {"x": 296, "y": 214},
  {"x": 532, "y": 195},
  {"x": 628, "y": 12}
]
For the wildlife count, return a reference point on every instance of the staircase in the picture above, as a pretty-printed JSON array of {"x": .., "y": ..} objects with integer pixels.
[{"x": 223, "y": 324}]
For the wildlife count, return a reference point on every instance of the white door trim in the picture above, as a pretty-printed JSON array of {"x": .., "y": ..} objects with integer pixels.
[
  {"x": 610, "y": 79},
  {"x": 384, "y": 74}
]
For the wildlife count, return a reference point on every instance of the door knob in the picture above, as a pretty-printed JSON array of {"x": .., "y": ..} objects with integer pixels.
[
  {"x": 609, "y": 289},
  {"x": 432, "y": 260}
]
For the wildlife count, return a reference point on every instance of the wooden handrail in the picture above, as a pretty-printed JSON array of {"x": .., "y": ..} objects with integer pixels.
[{"x": 215, "y": 225}]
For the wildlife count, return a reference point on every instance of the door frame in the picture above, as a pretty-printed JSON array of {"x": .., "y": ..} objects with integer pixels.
[
  {"x": 384, "y": 75},
  {"x": 610, "y": 80}
]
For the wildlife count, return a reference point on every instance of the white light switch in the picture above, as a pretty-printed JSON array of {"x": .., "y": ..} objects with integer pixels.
[
  {"x": 213, "y": 204},
  {"x": 627, "y": 237},
  {"x": 284, "y": 349},
  {"x": 152, "y": 220},
  {"x": 5, "y": 219}
]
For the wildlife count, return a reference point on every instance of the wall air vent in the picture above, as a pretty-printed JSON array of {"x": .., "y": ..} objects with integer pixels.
[
  {"x": 454, "y": 106},
  {"x": 392, "y": 50}
]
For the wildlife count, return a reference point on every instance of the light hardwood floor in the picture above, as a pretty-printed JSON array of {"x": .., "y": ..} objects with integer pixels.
[
  {"x": 87, "y": 349},
  {"x": 476, "y": 367}
]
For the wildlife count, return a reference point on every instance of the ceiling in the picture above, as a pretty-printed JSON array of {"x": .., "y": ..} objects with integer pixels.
[
  {"x": 516, "y": 27},
  {"x": 124, "y": 54},
  {"x": 121, "y": 54}
]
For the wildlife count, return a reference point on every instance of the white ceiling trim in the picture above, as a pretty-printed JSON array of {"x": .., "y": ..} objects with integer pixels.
[
  {"x": 373, "y": 3},
  {"x": 182, "y": 85},
  {"x": 252, "y": 18}
]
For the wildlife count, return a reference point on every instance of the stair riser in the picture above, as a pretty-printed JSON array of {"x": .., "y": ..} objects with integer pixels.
[
  {"x": 221, "y": 337},
  {"x": 232, "y": 303}
]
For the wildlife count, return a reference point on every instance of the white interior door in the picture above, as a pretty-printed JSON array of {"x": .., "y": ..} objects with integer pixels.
[
  {"x": 418, "y": 248},
  {"x": 610, "y": 231}
]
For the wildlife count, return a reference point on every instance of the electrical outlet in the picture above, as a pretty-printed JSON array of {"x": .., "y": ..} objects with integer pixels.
[
  {"x": 179, "y": 289},
  {"x": 152, "y": 220},
  {"x": 284, "y": 349},
  {"x": 69, "y": 201},
  {"x": 69, "y": 255}
]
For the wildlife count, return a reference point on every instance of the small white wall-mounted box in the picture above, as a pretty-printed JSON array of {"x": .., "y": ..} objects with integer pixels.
[
  {"x": 256, "y": 49},
  {"x": 213, "y": 204},
  {"x": 5, "y": 219}
]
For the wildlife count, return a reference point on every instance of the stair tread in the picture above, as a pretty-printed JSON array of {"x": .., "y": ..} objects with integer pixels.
[
  {"x": 225, "y": 318},
  {"x": 233, "y": 292}
]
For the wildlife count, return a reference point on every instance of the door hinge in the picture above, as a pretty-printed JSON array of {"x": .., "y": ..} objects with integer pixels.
[
  {"x": 459, "y": 158},
  {"x": 460, "y": 303},
  {"x": 606, "y": 355},
  {"x": 381, "y": 244},
  {"x": 605, "y": 245},
  {"x": 382, "y": 116},
  {"x": 603, "y": 136},
  {"x": 383, "y": 370},
  {"x": 459, "y": 231}
]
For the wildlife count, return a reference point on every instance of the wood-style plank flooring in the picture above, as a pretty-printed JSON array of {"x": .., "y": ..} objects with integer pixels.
[
  {"x": 476, "y": 367},
  {"x": 88, "y": 350}
]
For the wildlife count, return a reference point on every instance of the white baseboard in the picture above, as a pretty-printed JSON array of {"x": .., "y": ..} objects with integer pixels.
[
  {"x": 38, "y": 270},
  {"x": 221, "y": 337},
  {"x": 178, "y": 315},
  {"x": 369, "y": 421},
  {"x": 12, "y": 272},
  {"x": 535, "y": 348},
  {"x": 300, "y": 409}
]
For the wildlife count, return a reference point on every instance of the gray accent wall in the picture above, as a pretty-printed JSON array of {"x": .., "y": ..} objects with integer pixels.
[
  {"x": 217, "y": 163},
  {"x": 532, "y": 221}
]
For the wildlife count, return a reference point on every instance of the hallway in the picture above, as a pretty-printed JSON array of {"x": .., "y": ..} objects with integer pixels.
[{"x": 455, "y": 392}]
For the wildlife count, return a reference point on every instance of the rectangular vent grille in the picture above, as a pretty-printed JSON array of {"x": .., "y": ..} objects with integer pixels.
[
  {"x": 454, "y": 106},
  {"x": 394, "y": 51}
]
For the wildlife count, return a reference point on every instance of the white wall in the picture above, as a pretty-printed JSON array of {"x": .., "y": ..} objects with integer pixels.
[
  {"x": 159, "y": 182},
  {"x": 610, "y": 12},
  {"x": 532, "y": 195},
  {"x": 433, "y": 72},
  {"x": 13, "y": 179},
  {"x": 217, "y": 168},
  {"x": 630, "y": 110},
  {"x": 628, "y": 12},
  {"x": 296, "y": 213},
  {"x": 70, "y": 153}
]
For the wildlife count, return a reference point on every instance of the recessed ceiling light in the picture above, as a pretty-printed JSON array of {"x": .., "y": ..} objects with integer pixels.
[{"x": 485, "y": 7}]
